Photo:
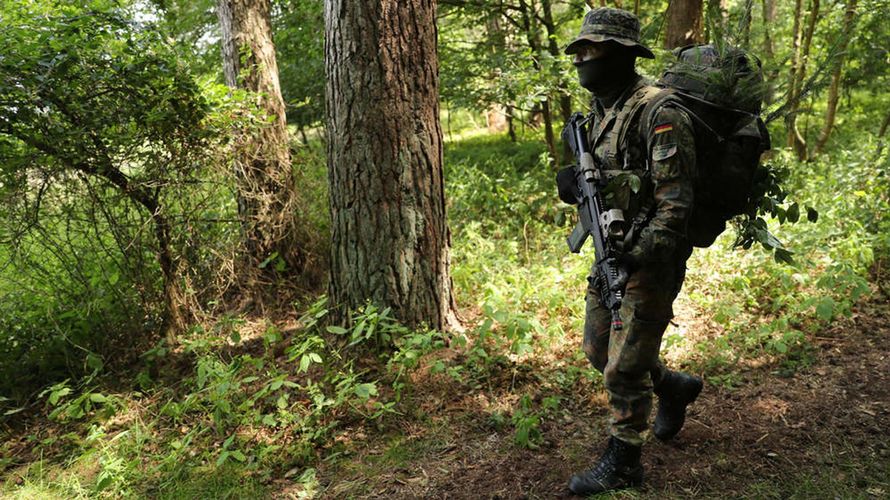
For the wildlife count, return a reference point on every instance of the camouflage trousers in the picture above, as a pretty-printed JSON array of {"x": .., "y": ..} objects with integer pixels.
[{"x": 628, "y": 358}]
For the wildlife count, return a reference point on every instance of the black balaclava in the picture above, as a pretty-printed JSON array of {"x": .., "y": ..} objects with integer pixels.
[{"x": 607, "y": 76}]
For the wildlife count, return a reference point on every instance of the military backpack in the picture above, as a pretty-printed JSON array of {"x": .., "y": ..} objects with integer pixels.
[{"x": 722, "y": 92}]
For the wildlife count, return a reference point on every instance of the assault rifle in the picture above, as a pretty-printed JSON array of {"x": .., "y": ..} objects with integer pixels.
[{"x": 587, "y": 184}]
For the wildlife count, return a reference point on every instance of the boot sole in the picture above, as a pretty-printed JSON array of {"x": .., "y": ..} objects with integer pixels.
[{"x": 632, "y": 482}]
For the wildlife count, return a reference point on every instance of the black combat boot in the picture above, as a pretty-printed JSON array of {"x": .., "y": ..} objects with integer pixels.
[
  {"x": 675, "y": 392},
  {"x": 619, "y": 467}
]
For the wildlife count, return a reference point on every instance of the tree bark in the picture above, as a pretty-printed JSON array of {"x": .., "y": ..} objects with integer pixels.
[
  {"x": 390, "y": 239},
  {"x": 834, "y": 88},
  {"x": 267, "y": 201},
  {"x": 684, "y": 23},
  {"x": 511, "y": 125}
]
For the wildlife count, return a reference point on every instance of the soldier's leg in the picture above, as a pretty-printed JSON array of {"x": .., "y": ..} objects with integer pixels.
[
  {"x": 597, "y": 323},
  {"x": 633, "y": 351},
  {"x": 675, "y": 390},
  {"x": 674, "y": 284}
]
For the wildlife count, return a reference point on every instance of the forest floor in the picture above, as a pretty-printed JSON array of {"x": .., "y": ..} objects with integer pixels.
[{"x": 822, "y": 431}]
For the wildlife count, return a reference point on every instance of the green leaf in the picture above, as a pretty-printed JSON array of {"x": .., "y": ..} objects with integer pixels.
[
  {"x": 105, "y": 479},
  {"x": 98, "y": 398},
  {"x": 268, "y": 259},
  {"x": 337, "y": 330},
  {"x": 365, "y": 391},
  {"x": 825, "y": 309},
  {"x": 793, "y": 212},
  {"x": 315, "y": 357},
  {"x": 94, "y": 362},
  {"x": 237, "y": 455},
  {"x": 783, "y": 256},
  {"x": 56, "y": 395},
  {"x": 305, "y": 361},
  {"x": 812, "y": 214}
]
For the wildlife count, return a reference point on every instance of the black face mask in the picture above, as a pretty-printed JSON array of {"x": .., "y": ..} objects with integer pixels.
[{"x": 604, "y": 75}]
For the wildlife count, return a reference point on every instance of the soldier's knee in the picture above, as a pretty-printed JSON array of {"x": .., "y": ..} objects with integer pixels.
[{"x": 620, "y": 378}]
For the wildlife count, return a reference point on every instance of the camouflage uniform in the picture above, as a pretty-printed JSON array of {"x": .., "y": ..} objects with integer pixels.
[{"x": 656, "y": 248}]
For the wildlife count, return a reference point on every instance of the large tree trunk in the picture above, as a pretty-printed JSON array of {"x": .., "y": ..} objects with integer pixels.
[
  {"x": 390, "y": 238},
  {"x": 834, "y": 89},
  {"x": 684, "y": 23},
  {"x": 267, "y": 195}
]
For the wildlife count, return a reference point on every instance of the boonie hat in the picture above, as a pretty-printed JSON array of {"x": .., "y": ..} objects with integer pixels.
[{"x": 604, "y": 24}]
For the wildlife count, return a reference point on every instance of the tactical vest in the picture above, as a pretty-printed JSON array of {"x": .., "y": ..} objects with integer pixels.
[{"x": 619, "y": 153}]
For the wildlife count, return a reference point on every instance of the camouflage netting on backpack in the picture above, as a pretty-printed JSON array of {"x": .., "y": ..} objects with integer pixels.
[{"x": 730, "y": 78}]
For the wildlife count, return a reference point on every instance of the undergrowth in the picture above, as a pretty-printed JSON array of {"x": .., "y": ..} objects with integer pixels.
[{"x": 243, "y": 404}]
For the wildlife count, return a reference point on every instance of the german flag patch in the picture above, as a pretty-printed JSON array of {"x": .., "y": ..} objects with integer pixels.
[{"x": 661, "y": 129}]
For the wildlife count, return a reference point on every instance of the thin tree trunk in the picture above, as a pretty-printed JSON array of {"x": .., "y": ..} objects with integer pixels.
[
  {"x": 267, "y": 201},
  {"x": 565, "y": 99},
  {"x": 511, "y": 126},
  {"x": 175, "y": 320},
  {"x": 769, "y": 17},
  {"x": 684, "y": 23},
  {"x": 834, "y": 88},
  {"x": 534, "y": 44},
  {"x": 794, "y": 139},
  {"x": 800, "y": 143},
  {"x": 390, "y": 241},
  {"x": 495, "y": 116}
]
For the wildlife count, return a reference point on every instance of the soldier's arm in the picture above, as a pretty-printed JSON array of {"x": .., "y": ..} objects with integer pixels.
[{"x": 672, "y": 162}]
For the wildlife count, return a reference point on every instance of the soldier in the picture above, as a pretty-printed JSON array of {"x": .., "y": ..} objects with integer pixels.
[{"x": 656, "y": 208}]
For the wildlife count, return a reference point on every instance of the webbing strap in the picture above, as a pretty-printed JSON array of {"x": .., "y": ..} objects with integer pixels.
[
  {"x": 615, "y": 111},
  {"x": 633, "y": 106}
]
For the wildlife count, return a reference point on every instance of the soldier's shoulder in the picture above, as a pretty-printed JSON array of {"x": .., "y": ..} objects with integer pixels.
[{"x": 670, "y": 113}]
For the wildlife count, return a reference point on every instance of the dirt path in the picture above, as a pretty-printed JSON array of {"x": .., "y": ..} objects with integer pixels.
[{"x": 822, "y": 432}]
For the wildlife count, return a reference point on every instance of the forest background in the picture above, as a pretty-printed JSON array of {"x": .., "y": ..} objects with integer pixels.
[{"x": 184, "y": 309}]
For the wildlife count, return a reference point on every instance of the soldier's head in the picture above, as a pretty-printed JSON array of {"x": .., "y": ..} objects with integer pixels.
[{"x": 606, "y": 49}]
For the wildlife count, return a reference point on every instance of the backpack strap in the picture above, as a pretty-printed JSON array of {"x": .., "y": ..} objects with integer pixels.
[
  {"x": 646, "y": 108},
  {"x": 662, "y": 97},
  {"x": 631, "y": 108}
]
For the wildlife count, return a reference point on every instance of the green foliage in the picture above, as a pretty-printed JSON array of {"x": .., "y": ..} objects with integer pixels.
[
  {"x": 300, "y": 53},
  {"x": 495, "y": 54},
  {"x": 239, "y": 402}
]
